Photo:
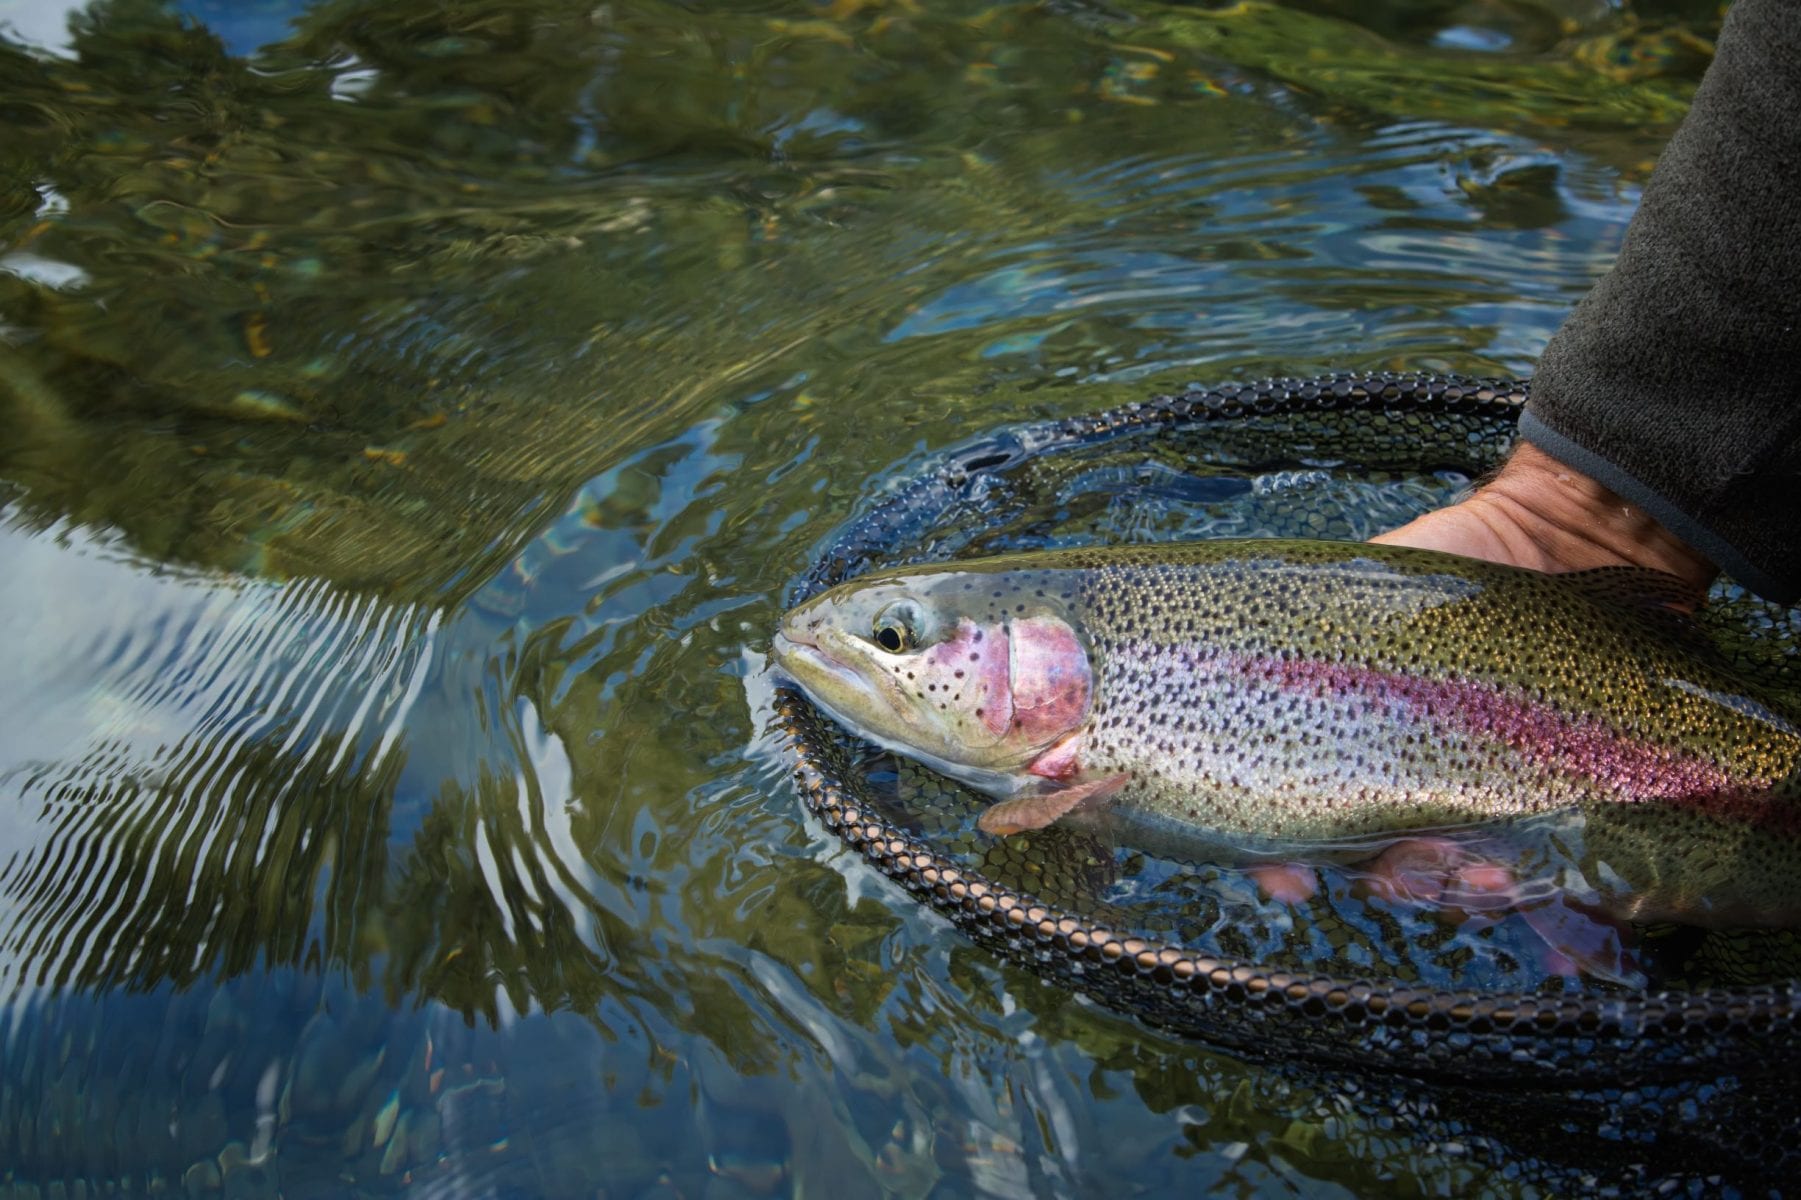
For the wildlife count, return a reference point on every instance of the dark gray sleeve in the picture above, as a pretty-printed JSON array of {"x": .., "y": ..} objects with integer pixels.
[{"x": 1677, "y": 381}]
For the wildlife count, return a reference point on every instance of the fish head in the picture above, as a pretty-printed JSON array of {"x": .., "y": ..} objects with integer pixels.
[{"x": 973, "y": 672}]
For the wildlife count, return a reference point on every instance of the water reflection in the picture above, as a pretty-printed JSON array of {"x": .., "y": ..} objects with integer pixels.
[{"x": 187, "y": 757}]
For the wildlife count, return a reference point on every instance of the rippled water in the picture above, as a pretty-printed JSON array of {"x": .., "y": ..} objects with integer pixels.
[{"x": 410, "y": 418}]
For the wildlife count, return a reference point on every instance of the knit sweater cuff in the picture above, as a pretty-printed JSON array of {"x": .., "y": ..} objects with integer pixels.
[{"x": 1698, "y": 536}]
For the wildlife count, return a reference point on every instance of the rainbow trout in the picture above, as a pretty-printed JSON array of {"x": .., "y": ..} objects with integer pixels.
[{"x": 1316, "y": 694}]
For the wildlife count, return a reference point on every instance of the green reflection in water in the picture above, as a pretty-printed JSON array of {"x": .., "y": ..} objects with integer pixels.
[{"x": 407, "y": 426}]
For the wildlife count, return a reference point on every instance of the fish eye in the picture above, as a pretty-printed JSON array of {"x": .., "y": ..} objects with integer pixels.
[{"x": 898, "y": 626}]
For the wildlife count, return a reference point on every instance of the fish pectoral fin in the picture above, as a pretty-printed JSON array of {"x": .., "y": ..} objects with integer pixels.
[{"x": 1035, "y": 810}]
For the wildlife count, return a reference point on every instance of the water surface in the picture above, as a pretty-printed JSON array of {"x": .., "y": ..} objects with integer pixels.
[{"x": 411, "y": 417}]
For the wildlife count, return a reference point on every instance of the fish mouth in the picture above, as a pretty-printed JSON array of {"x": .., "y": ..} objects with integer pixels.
[
  {"x": 792, "y": 651},
  {"x": 851, "y": 695},
  {"x": 793, "y": 634}
]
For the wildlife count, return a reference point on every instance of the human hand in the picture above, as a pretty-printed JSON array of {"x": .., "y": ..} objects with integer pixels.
[{"x": 1541, "y": 514}]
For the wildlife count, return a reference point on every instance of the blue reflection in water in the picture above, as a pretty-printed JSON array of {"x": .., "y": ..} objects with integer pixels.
[{"x": 245, "y": 26}]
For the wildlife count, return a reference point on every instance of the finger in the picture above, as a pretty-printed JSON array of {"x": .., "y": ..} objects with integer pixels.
[{"x": 1290, "y": 883}]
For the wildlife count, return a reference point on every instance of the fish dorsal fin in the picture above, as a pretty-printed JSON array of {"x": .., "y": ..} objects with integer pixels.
[{"x": 1659, "y": 599}]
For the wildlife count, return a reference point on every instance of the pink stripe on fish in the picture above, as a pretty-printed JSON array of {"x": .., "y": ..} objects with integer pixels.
[{"x": 1570, "y": 744}]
